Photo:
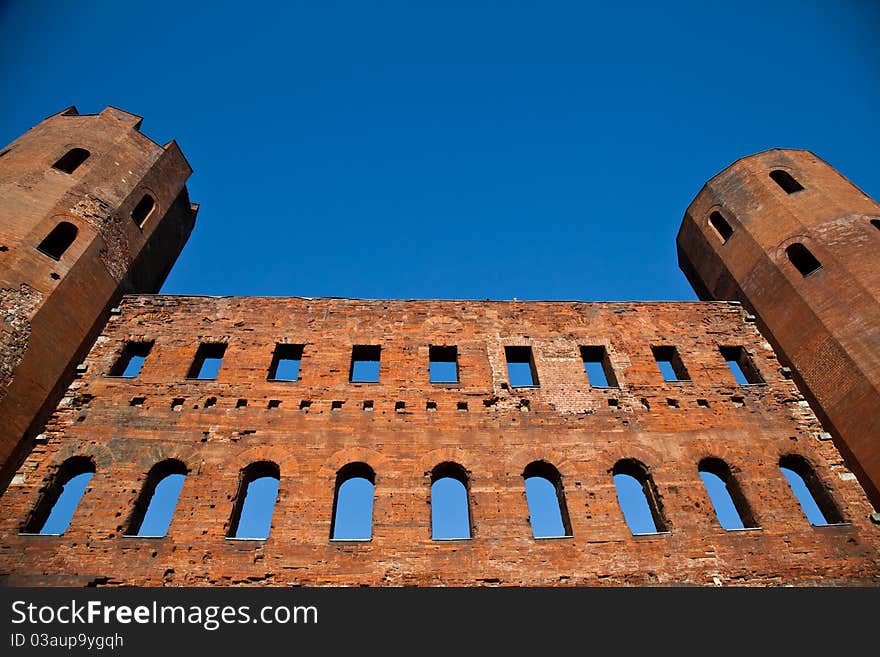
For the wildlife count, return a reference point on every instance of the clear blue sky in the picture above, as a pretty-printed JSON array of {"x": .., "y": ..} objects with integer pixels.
[{"x": 453, "y": 150}]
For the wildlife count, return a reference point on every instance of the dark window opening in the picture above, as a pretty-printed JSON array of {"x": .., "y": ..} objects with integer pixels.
[
  {"x": 719, "y": 223},
  {"x": 731, "y": 507},
  {"x": 450, "y": 508},
  {"x": 814, "y": 499},
  {"x": 875, "y": 223},
  {"x": 137, "y": 401},
  {"x": 255, "y": 501},
  {"x": 400, "y": 406},
  {"x": 443, "y": 364},
  {"x": 785, "y": 180},
  {"x": 131, "y": 360},
  {"x": 638, "y": 497},
  {"x": 70, "y": 161},
  {"x": 210, "y": 401},
  {"x": 241, "y": 403},
  {"x": 802, "y": 259},
  {"x": 461, "y": 406},
  {"x": 671, "y": 366},
  {"x": 285, "y": 362},
  {"x": 206, "y": 364},
  {"x": 353, "y": 503},
  {"x": 365, "y": 363},
  {"x": 142, "y": 210},
  {"x": 58, "y": 241},
  {"x": 273, "y": 403},
  {"x": 548, "y": 513},
  {"x": 336, "y": 405},
  {"x": 305, "y": 405},
  {"x": 598, "y": 367},
  {"x": 741, "y": 365},
  {"x": 431, "y": 406},
  {"x": 59, "y": 500},
  {"x": 521, "y": 370},
  {"x": 154, "y": 507},
  {"x": 177, "y": 403}
]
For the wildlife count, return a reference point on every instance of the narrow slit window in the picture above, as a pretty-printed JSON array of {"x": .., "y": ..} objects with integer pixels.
[
  {"x": 353, "y": 503},
  {"x": 443, "y": 364},
  {"x": 207, "y": 361},
  {"x": 450, "y": 510},
  {"x": 786, "y": 181},
  {"x": 365, "y": 361},
  {"x": 730, "y": 504},
  {"x": 521, "y": 370},
  {"x": 802, "y": 259},
  {"x": 131, "y": 360},
  {"x": 598, "y": 367},
  {"x": 741, "y": 366},
  {"x": 638, "y": 498},
  {"x": 71, "y": 160},
  {"x": 719, "y": 223},
  {"x": 255, "y": 501},
  {"x": 154, "y": 507},
  {"x": 58, "y": 502},
  {"x": 548, "y": 513},
  {"x": 670, "y": 364},
  {"x": 814, "y": 499},
  {"x": 286, "y": 362},
  {"x": 58, "y": 241},
  {"x": 875, "y": 223},
  {"x": 143, "y": 210}
]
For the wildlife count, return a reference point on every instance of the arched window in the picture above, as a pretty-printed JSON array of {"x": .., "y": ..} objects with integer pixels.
[
  {"x": 450, "y": 510},
  {"x": 548, "y": 512},
  {"x": 70, "y": 161},
  {"x": 57, "y": 242},
  {"x": 804, "y": 261},
  {"x": 353, "y": 503},
  {"x": 255, "y": 501},
  {"x": 154, "y": 507},
  {"x": 59, "y": 500},
  {"x": 785, "y": 180},
  {"x": 815, "y": 501},
  {"x": 142, "y": 210},
  {"x": 730, "y": 504},
  {"x": 638, "y": 497},
  {"x": 719, "y": 223}
]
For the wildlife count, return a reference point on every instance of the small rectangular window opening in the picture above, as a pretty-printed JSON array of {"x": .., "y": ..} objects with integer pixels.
[
  {"x": 443, "y": 364},
  {"x": 671, "y": 366},
  {"x": 719, "y": 223},
  {"x": 741, "y": 366},
  {"x": 207, "y": 362},
  {"x": 131, "y": 360},
  {"x": 521, "y": 369},
  {"x": 365, "y": 363},
  {"x": 598, "y": 367},
  {"x": 285, "y": 362}
]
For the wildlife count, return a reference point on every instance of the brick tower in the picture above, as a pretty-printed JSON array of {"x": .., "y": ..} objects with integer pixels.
[
  {"x": 92, "y": 209},
  {"x": 797, "y": 244}
]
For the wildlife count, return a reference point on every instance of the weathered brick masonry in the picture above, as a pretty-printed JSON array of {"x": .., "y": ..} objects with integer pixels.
[{"x": 583, "y": 431}]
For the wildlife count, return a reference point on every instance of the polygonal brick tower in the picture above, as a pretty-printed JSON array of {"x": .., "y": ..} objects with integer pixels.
[
  {"x": 797, "y": 243},
  {"x": 91, "y": 210}
]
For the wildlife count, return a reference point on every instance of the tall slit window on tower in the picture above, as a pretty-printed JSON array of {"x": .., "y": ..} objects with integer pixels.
[
  {"x": 131, "y": 360},
  {"x": 521, "y": 370},
  {"x": 285, "y": 362},
  {"x": 802, "y": 259},
  {"x": 255, "y": 501},
  {"x": 598, "y": 367},
  {"x": 58, "y": 241},
  {"x": 719, "y": 223},
  {"x": 365, "y": 361},
  {"x": 443, "y": 364},
  {"x": 785, "y": 180},
  {"x": 814, "y": 499},
  {"x": 71, "y": 160},
  {"x": 638, "y": 497},
  {"x": 207, "y": 361},
  {"x": 548, "y": 513},
  {"x": 353, "y": 503},
  {"x": 450, "y": 511},
  {"x": 670, "y": 364},
  {"x": 730, "y": 504},
  {"x": 142, "y": 210},
  {"x": 58, "y": 501},
  {"x": 154, "y": 507},
  {"x": 741, "y": 365}
]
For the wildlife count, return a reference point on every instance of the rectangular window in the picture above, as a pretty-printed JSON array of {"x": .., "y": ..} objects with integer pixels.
[
  {"x": 131, "y": 360},
  {"x": 207, "y": 362},
  {"x": 598, "y": 367},
  {"x": 365, "y": 363},
  {"x": 741, "y": 366},
  {"x": 285, "y": 362},
  {"x": 443, "y": 364},
  {"x": 670, "y": 364},
  {"x": 521, "y": 370}
]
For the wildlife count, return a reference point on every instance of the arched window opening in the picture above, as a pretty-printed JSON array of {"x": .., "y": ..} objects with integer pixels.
[
  {"x": 814, "y": 499},
  {"x": 875, "y": 223},
  {"x": 255, "y": 501},
  {"x": 545, "y": 496},
  {"x": 154, "y": 507},
  {"x": 785, "y": 180},
  {"x": 730, "y": 504},
  {"x": 58, "y": 502},
  {"x": 142, "y": 210},
  {"x": 57, "y": 242},
  {"x": 450, "y": 509},
  {"x": 353, "y": 503},
  {"x": 719, "y": 223},
  {"x": 70, "y": 161},
  {"x": 638, "y": 497},
  {"x": 804, "y": 261}
]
